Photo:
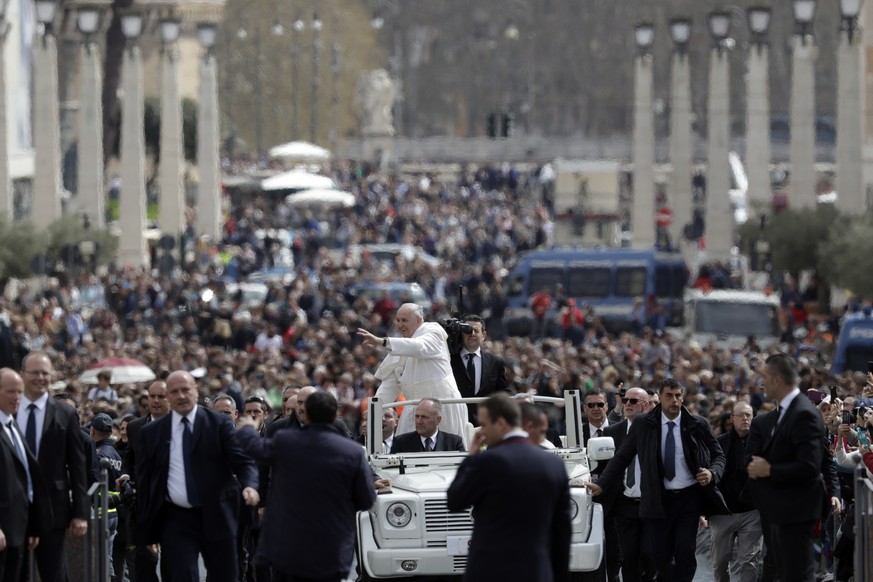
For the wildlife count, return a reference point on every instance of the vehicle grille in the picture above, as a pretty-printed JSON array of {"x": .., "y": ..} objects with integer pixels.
[
  {"x": 459, "y": 564},
  {"x": 438, "y": 518}
]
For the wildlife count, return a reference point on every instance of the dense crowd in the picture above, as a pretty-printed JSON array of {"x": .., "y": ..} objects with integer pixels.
[{"x": 302, "y": 332}]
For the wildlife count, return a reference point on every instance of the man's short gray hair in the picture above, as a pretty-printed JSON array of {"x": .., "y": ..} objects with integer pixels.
[
  {"x": 437, "y": 405},
  {"x": 414, "y": 309}
]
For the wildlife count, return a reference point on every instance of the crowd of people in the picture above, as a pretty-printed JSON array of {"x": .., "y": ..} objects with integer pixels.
[{"x": 304, "y": 331}]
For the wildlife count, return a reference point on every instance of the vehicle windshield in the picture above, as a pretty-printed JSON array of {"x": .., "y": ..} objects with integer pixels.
[
  {"x": 743, "y": 319},
  {"x": 857, "y": 358}
]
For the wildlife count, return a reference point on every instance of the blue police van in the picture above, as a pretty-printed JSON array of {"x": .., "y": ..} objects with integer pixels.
[
  {"x": 610, "y": 280},
  {"x": 855, "y": 343}
]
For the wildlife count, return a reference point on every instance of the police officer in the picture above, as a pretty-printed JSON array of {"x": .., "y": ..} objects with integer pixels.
[{"x": 101, "y": 431}]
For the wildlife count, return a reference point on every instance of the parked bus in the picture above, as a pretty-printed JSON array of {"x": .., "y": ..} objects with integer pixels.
[
  {"x": 855, "y": 344},
  {"x": 611, "y": 281}
]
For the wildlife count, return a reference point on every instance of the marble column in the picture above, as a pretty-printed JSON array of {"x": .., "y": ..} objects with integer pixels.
[
  {"x": 758, "y": 151},
  {"x": 91, "y": 189},
  {"x": 132, "y": 209},
  {"x": 718, "y": 236},
  {"x": 802, "y": 148},
  {"x": 681, "y": 199},
  {"x": 209, "y": 217},
  {"x": 46, "y": 133},
  {"x": 643, "y": 210},
  {"x": 172, "y": 202},
  {"x": 851, "y": 196}
]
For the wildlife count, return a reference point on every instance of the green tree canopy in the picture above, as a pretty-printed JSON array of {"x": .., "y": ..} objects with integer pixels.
[{"x": 846, "y": 257}]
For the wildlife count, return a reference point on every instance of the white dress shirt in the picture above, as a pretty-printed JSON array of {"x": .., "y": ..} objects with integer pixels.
[
  {"x": 24, "y": 414},
  {"x": 177, "y": 487},
  {"x": 786, "y": 402},
  {"x": 592, "y": 430},
  {"x": 432, "y": 437},
  {"x": 633, "y": 492},
  {"x": 683, "y": 477},
  {"x": 477, "y": 365}
]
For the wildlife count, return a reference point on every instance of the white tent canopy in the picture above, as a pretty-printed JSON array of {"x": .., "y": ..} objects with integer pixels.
[
  {"x": 321, "y": 197},
  {"x": 297, "y": 180},
  {"x": 300, "y": 151}
]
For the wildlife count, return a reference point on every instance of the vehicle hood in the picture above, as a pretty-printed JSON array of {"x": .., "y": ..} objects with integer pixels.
[{"x": 432, "y": 479}]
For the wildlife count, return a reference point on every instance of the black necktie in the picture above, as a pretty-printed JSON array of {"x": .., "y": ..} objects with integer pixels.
[
  {"x": 30, "y": 430},
  {"x": 187, "y": 449},
  {"x": 428, "y": 444},
  {"x": 598, "y": 432},
  {"x": 471, "y": 371},
  {"x": 23, "y": 458},
  {"x": 670, "y": 453},
  {"x": 632, "y": 474}
]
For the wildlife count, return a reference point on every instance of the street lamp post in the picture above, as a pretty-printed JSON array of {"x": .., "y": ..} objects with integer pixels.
[
  {"x": 316, "y": 58},
  {"x": 643, "y": 213},
  {"x": 758, "y": 152},
  {"x": 851, "y": 196},
  {"x": 171, "y": 214},
  {"x": 132, "y": 204},
  {"x": 298, "y": 27},
  {"x": 680, "y": 133},
  {"x": 719, "y": 218},
  {"x": 209, "y": 188},
  {"x": 802, "y": 147},
  {"x": 6, "y": 201},
  {"x": 90, "y": 189},
  {"x": 46, "y": 123}
]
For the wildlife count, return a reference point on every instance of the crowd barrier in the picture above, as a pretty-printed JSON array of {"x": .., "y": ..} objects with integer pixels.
[{"x": 863, "y": 526}]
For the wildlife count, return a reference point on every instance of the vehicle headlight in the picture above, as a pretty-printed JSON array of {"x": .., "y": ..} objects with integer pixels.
[
  {"x": 398, "y": 514},
  {"x": 574, "y": 509}
]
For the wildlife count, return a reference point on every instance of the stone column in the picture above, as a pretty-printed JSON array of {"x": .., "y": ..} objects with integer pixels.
[
  {"x": 6, "y": 194},
  {"x": 851, "y": 196},
  {"x": 719, "y": 217},
  {"x": 90, "y": 150},
  {"x": 46, "y": 134},
  {"x": 802, "y": 147},
  {"x": 643, "y": 210},
  {"x": 680, "y": 153},
  {"x": 132, "y": 210},
  {"x": 758, "y": 151},
  {"x": 172, "y": 202},
  {"x": 209, "y": 191}
]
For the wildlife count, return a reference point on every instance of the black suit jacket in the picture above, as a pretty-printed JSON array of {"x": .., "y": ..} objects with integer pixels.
[
  {"x": 793, "y": 447},
  {"x": 315, "y": 538},
  {"x": 62, "y": 460},
  {"x": 18, "y": 518},
  {"x": 220, "y": 467},
  {"x": 617, "y": 431},
  {"x": 411, "y": 443},
  {"x": 493, "y": 379},
  {"x": 512, "y": 540},
  {"x": 134, "y": 444}
]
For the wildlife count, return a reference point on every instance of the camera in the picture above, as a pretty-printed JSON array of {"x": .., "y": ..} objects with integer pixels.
[{"x": 455, "y": 328}]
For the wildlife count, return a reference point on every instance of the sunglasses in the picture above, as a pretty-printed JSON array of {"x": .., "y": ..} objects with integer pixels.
[
  {"x": 595, "y": 404},
  {"x": 630, "y": 400}
]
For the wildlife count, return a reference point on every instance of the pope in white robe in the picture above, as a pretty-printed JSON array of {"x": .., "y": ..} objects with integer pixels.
[{"x": 418, "y": 366}]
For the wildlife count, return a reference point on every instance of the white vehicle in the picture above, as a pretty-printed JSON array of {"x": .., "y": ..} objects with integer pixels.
[
  {"x": 411, "y": 532},
  {"x": 730, "y": 317}
]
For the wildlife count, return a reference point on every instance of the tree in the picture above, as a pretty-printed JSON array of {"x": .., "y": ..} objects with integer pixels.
[
  {"x": 846, "y": 258},
  {"x": 20, "y": 243},
  {"x": 794, "y": 236}
]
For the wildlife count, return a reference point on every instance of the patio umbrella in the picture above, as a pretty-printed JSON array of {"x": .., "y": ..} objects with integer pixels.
[
  {"x": 123, "y": 370},
  {"x": 323, "y": 198},
  {"x": 300, "y": 151},
  {"x": 296, "y": 180}
]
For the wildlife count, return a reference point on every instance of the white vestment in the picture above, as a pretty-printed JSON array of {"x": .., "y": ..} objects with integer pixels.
[{"x": 419, "y": 367}]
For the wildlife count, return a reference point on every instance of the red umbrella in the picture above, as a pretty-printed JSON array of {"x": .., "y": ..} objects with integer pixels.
[{"x": 123, "y": 370}]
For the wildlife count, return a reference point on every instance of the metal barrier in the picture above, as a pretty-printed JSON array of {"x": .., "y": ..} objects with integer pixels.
[
  {"x": 863, "y": 526},
  {"x": 99, "y": 553}
]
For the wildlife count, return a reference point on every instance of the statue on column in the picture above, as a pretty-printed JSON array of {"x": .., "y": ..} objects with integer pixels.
[{"x": 375, "y": 97}]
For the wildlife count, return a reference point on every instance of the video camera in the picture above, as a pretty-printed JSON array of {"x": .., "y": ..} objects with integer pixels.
[{"x": 455, "y": 328}]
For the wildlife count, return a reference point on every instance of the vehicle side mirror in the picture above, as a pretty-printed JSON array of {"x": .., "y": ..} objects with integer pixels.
[{"x": 601, "y": 448}]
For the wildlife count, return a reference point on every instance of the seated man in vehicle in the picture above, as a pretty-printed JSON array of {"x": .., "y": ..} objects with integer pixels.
[{"x": 427, "y": 436}]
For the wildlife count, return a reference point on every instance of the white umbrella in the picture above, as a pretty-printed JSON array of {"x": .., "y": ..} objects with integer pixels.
[
  {"x": 297, "y": 180},
  {"x": 300, "y": 150},
  {"x": 123, "y": 370},
  {"x": 321, "y": 197}
]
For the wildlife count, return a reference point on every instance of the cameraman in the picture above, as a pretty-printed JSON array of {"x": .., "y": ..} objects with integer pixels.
[
  {"x": 418, "y": 366},
  {"x": 477, "y": 372},
  {"x": 101, "y": 431}
]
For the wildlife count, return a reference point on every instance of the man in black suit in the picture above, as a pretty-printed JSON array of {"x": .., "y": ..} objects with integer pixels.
[
  {"x": 427, "y": 437},
  {"x": 594, "y": 408},
  {"x": 302, "y": 541},
  {"x": 673, "y": 494},
  {"x": 784, "y": 456},
  {"x": 145, "y": 561},
  {"x": 512, "y": 540},
  {"x": 22, "y": 489},
  {"x": 621, "y": 505},
  {"x": 52, "y": 433},
  {"x": 189, "y": 476},
  {"x": 477, "y": 372}
]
